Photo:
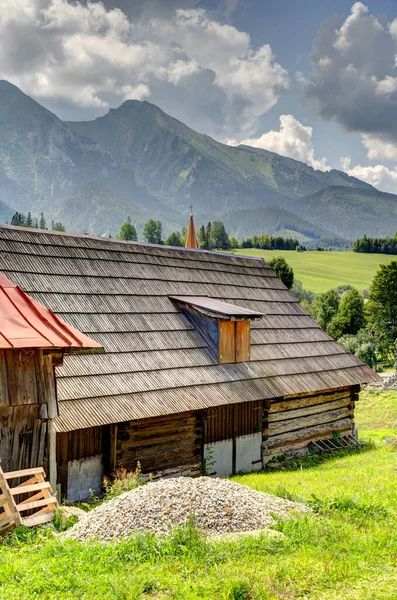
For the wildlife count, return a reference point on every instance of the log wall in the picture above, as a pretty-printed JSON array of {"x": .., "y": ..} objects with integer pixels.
[
  {"x": 294, "y": 421},
  {"x": 27, "y": 401},
  {"x": 166, "y": 445}
]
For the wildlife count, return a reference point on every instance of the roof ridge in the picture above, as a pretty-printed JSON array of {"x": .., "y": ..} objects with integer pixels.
[{"x": 35, "y": 231}]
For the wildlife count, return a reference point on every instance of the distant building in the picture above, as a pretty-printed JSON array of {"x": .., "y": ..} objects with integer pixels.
[{"x": 208, "y": 359}]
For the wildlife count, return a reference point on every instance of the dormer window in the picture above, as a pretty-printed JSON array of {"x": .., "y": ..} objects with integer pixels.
[{"x": 224, "y": 327}]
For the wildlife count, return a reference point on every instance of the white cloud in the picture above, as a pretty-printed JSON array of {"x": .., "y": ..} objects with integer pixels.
[
  {"x": 379, "y": 176},
  {"x": 201, "y": 70},
  {"x": 293, "y": 139},
  {"x": 354, "y": 77},
  {"x": 379, "y": 147}
]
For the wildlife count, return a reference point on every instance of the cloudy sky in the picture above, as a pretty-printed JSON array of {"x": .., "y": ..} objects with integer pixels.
[{"x": 309, "y": 79}]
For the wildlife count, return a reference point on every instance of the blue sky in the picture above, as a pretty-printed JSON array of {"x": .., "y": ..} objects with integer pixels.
[{"x": 314, "y": 80}]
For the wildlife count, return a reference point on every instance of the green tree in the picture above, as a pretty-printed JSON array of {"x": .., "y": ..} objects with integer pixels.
[
  {"x": 233, "y": 243},
  {"x": 42, "y": 223},
  {"x": 265, "y": 242},
  {"x": 128, "y": 231},
  {"x": 350, "y": 317},
  {"x": 57, "y": 226},
  {"x": 381, "y": 307},
  {"x": 183, "y": 235},
  {"x": 208, "y": 240},
  {"x": 29, "y": 220},
  {"x": 18, "y": 219},
  {"x": 301, "y": 294},
  {"x": 174, "y": 239},
  {"x": 153, "y": 232},
  {"x": 283, "y": 270},
  {"x": 219, "y": 237},
  {"x": 325, "y": 308},
  {"x": 202, "y": 238},
  {"x": 363, "y": 345},
  {"x": 255, "y": 241}
]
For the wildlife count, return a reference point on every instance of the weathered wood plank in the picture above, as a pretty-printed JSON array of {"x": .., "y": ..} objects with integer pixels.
[
  {"x": 227, "y": 343},
  {"x": 34, "y": 487},
  {"x": 4, "y": 395},
  {"x": 323, "y": 429},
  {"x": 37, "y": 503},
  {"x": 50, "y": 393},
  {"x": 304, "y": 394},
  {"x": 308, "y": 410},
  {"x": 309, "y": 421},
  {"x": 303, "y": 443},
  {"x": 295, "y": 402},
  {"x": 243, "y": 332},
  {"x": 20, "y": 473}
]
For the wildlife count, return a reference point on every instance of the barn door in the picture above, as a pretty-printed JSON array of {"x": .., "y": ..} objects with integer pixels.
[{"x": 233, "y": 438}]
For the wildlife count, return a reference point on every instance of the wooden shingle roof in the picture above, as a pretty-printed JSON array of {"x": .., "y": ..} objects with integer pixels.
[{"x": 155, "y": 363}]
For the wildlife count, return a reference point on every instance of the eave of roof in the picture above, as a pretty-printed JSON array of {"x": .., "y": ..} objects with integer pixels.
[
  {"x": 25, "y": 323},
  {"x": 216, "y": 308}
]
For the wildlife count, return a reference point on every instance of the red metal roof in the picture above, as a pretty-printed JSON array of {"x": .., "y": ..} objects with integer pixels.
[{"x": 25, "y": 323}]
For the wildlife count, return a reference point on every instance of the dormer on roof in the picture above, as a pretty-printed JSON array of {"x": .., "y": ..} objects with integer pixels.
[{"x": 224, "y": 327}]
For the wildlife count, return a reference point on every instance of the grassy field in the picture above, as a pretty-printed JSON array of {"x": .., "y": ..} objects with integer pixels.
[
  {"x": 347, "y": 547},
  {"x": 320, "y": 271}
]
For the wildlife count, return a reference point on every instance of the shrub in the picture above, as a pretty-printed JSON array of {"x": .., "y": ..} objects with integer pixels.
[{"x": 122, "y": 481}]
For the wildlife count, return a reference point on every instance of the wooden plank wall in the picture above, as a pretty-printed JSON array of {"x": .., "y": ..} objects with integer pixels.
[
  {"x": 163, "y": 445},
  {"x": 74, "y": 445},
  {"x": 294, "y": 421},
  {"x": 27, "y": 400},
  {"x": 232, "y": 420}
]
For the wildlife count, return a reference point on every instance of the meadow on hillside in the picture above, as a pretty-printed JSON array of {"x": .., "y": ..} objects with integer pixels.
[{"x": 321, "y": 271}]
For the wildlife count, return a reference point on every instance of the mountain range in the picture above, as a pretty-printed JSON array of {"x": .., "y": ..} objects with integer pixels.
[{"x": 136, "y": 160}]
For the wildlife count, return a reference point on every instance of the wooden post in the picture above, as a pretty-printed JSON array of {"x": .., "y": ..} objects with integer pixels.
[{"x": 52, "y": 457}]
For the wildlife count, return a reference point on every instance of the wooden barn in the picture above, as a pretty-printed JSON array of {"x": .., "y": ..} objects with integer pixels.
[
  {"x": 208, "y": 359},
  {"x": 32, "y": 342}
]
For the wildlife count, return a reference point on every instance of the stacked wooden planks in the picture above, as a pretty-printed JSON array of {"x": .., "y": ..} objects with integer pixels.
[
  {"x": 294, "y": 421},
  {"x": 27, "y": 401},
  {"x": 15, "y": 501}
]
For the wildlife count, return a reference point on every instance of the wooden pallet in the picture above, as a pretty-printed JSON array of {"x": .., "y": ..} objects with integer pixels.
[{"x": 32, "y": 495}]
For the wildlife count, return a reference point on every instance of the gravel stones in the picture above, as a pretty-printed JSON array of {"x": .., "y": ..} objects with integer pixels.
[{"x": 217, "y": 506}]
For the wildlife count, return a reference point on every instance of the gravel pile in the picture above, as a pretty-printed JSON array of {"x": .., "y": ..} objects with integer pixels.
[{"x": 217, "y": 505}]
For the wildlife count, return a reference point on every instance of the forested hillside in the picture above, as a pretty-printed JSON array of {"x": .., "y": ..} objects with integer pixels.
[{"x": 348, "y": 212}]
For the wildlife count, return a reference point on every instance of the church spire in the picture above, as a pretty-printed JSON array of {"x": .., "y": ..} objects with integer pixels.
[{"x": 191, "y": 240}]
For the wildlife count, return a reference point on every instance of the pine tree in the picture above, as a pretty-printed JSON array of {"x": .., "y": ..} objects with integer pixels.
[
  {"x": 42, "y": 223},
  {"x": 29, "y": 221}
]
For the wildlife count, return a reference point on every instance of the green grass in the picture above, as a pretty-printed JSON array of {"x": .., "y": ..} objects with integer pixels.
[
  {"x": 320, "y": 271},
  {"x": 376, "y": 410},
  {"x": 346, "y": 548}
]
